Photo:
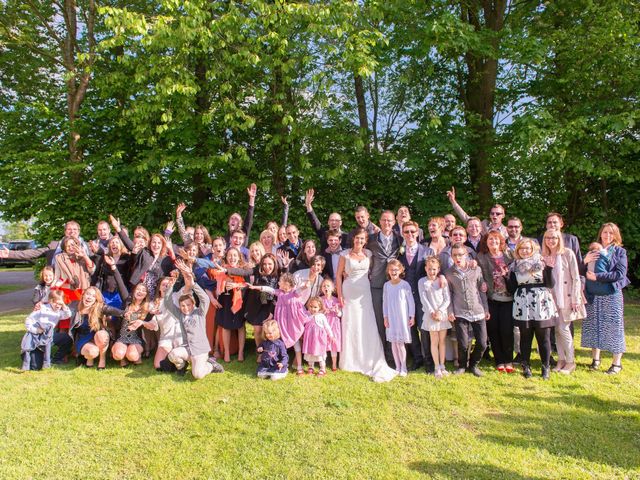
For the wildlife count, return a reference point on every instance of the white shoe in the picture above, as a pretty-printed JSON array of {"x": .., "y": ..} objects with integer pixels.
[{"x": 403, "y": 373}]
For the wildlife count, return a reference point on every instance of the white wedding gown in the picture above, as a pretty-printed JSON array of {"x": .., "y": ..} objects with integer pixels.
[{"x": 361, "y": 346}]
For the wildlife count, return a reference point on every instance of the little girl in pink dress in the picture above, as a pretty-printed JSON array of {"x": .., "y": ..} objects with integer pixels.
[
  {"x": 333, "y": 312},
  {"x": 317, "y": 335}
]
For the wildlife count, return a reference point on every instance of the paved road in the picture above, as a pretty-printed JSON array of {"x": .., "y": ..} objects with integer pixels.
[{"x": 19, "y": 300}]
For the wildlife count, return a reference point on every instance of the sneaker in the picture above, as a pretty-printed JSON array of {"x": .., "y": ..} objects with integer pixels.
[
  {"x": 403, "y": 373},
  {"x": 216, "y": 367},
  {"x": 476, "y": 371}
]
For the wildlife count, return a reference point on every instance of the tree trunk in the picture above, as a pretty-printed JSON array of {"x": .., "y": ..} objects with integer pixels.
[
  {"x": 479, "y": 93},
  {"x": 362, "y": 112}
]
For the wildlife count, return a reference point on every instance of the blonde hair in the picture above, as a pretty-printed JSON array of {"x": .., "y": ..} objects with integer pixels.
[
  {"x": 534, "y": 247},
  {"x": 56, "y": 296},
  {"x": 96, "y": 318},
  {"x": 260, "y": 248},
  {"x": 268, "y": 233},
  {"x": 271, "y": 326},
  {"x": 46, "y": 269},
  {"x": 432, "y": 260},
  {"x": 317, "y": 301},
  {"x": 396, "y": 263},
  {"x": 548, "y": 234}
]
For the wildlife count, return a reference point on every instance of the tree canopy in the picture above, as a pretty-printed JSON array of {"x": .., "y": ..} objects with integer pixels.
[{"x": 131, "y": 107}]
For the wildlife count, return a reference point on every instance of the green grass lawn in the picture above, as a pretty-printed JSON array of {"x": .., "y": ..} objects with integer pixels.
[
  {"x": 135, "y": 423},
  {"x": 11, "y": 288}
]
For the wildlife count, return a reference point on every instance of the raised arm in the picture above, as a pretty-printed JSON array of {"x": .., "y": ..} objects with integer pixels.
[
  {"x": 30, "y": 254},
  {"x": 186, "y": 238},
  {"x": 126, "y": 241},
  {"x": 285, "y": 211},
  {"x": 311, "y": 215},
  {"x": 451, "y": 195},
  {"x": 248, "y": 218}
]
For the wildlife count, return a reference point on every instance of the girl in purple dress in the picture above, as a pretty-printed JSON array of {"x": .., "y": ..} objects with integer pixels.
[
  {"x": 317, "y": 335},
  {"x": 333, "y": 312},
  {"x": 289, "y": 313}
]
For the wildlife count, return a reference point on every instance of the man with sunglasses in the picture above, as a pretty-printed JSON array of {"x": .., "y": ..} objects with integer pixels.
[{"x": 496, "y": 215}]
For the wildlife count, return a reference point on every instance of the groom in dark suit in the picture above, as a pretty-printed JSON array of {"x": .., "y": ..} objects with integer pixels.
[
  {"x": 384, "y": 246},
  {"x": 413, "y": 257}
]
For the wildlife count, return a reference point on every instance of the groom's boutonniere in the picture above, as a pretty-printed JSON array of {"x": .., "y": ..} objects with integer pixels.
[{"x": 401, "y": 250}]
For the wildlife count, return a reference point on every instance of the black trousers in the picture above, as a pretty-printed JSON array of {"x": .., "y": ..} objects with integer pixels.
[
  {"x": 376, "y": 296},
  {"x": 543, "y": 337},
  {"x": 466, "y": 331},
  {"x": 500, "y": 331},
  {"x": 63, "y": 341},
  {"x": 417, "y": 343}
]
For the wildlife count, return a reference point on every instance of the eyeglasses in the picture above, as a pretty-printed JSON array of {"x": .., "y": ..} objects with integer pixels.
[{"x": 412, "y": 232}]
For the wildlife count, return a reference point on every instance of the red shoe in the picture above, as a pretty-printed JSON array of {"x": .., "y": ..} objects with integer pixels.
[
  {"x": 509, "y": 369},
  {"x": 334, "y": 369},
  {"x": 501, "y": 368}
]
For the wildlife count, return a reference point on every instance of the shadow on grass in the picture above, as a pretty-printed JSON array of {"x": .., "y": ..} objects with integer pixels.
[
  {"x": 462, "y": 469},
  {"x": 601, "y": 431}
]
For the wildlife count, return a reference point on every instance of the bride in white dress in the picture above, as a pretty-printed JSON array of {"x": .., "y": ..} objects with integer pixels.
[{"x": 361, "y": 346}]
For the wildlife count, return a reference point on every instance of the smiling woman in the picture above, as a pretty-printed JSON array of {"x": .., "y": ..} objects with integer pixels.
[{"x": 603, "y": 329}]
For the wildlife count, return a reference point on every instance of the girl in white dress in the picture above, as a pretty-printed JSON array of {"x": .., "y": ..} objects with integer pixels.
[
  {"x": 399, "y": 311},
  {"x": 361, "y": 345},
  {"x": 435, "y": 300}
]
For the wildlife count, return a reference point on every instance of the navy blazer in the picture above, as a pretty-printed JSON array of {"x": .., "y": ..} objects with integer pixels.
[
  {"x": 415, "y": 271},
  {"x": 617, "y": 271}
]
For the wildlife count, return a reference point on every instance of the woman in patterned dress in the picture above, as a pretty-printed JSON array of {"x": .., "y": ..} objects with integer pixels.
[{"x": 603, "y": 329}]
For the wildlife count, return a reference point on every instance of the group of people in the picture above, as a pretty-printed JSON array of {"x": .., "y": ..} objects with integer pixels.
[{"x": 381, "y": 299}]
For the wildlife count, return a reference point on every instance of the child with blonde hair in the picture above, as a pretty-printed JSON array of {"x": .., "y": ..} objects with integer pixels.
[
  {"x": 399, "y": 310},
  {"x": 435, "y": 300},
  {"x": 274, "y": 361},
  {"x": 317, "y": 335}
]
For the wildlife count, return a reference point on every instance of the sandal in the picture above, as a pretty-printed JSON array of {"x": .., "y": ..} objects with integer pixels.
[
  {"x": 300, "y": 373},
  {"x": 595, "y": 364},
  {"x": 334, "y": 369},
  {"x": 613, "y": 369},
  {"x": 322, "y": 373},
  {"x": 310, "y": 371}
]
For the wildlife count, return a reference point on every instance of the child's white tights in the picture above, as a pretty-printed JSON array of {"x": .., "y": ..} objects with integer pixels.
[{"x": 399, "y": 356}]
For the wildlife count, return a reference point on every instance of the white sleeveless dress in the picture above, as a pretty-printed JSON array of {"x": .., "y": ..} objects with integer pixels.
[{"x": 361, "y": 346}]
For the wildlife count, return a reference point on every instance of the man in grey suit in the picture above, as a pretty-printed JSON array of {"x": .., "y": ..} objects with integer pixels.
[{"x": 384, "y": 246}]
